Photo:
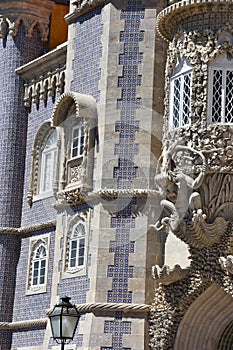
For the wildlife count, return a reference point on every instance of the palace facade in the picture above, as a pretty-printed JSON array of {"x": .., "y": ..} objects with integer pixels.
[{"x": 116, "y": 172}]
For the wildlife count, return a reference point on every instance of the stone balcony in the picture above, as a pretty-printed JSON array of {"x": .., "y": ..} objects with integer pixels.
[{"x": 44, "y": 77}]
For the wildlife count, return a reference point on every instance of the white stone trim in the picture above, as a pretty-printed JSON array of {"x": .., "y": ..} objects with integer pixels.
[{"x": 34, "y": 243}]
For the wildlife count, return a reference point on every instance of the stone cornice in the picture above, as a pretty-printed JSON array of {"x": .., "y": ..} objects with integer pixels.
[
  {"x": 80, "y": 7},
  {"x": 43, "y": 64},
  {"x": 170, "y": 17},
  {"x": 31, "y": 13}
]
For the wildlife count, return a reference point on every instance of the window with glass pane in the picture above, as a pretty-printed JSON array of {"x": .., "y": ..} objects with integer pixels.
[
  {"x": 77, "y": 141},
  {"x": 48, "y": 163},
  {"x": 181, "y": 97},
  {"x": 222, "y": 95},
  {"x": 39, "y": 266},
  {"x": 77, "y": 246}
]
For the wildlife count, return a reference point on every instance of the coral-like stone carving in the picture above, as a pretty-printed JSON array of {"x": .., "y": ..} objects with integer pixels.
[
  {"x": 227, "y": 263},
  {"x": 199, "y": 147}
]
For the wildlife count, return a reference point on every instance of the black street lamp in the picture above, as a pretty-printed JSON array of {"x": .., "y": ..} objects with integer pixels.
[{"x": 64, "y": 320}]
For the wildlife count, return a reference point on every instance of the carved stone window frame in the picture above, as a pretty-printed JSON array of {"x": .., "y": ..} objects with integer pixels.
[
  {"x": 182, "y": 69},
  {"x": 38, "y": 146},
  {"x": 77, "y": 173},
  {"x": 34, "y": 244},
  {"x": 70, "y": 272}
]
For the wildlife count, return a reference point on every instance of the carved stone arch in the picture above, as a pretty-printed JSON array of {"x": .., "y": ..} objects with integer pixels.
[
  {"x": 40, "y": 139},
  {"x": 81, "y": 102},
  {"x": 204, "y": 322}
]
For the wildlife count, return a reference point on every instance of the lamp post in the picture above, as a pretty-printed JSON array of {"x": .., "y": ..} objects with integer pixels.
[{"x": 64, "y": 320}]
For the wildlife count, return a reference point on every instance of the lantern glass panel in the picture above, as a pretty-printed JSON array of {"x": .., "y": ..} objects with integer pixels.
[
  {"x": 56, "y": 326},
  {"x": 68, "y": 326}
]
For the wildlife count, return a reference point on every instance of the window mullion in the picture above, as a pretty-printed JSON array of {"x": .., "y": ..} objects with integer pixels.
[
  {"x": 181, "y": 100},
  {"x": 224, "y": 71}
]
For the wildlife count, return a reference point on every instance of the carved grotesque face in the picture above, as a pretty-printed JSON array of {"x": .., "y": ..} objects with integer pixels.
[{"x": 172, "y": 189}]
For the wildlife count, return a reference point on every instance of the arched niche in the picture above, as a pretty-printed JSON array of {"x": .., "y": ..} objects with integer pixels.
[{"x": 204, "y": 322}]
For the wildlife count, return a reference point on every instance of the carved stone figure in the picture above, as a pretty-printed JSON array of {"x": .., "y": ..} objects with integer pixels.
[{"x": 178, "y": 188}]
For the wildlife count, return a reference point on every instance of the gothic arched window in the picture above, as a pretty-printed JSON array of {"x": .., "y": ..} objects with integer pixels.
[
  {"x": 180, "y": 95},
  {"x": 39, "y": 266},
  {"x": 221, "y": 90},
  {"x": 77, "y": 246}
]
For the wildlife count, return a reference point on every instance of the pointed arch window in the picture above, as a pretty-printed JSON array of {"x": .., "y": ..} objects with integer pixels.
[
  {"x": 180, "y": 95},
  {"x": 39, "y": 266},
  {"x": 77, "y": 246},
  {"x": 221, "y": 90}
]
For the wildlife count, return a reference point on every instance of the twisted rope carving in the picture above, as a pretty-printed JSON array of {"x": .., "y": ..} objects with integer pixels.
[
  {"x": 23, "y": 230},
  {"x": 24, "y": 324},
  {"x": 89, "y": 307},
  {"x": 113, "y": 307}
]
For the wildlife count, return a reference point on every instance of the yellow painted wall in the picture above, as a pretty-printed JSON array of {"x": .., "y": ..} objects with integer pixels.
[{"x": 59, "y": 27}]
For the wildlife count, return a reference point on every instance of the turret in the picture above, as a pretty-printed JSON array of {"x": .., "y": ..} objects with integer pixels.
[{"x": 24, "y": 29}]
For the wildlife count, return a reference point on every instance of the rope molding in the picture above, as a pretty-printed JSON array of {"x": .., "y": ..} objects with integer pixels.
[
  {"x": 88, "y": 308},
  {"x": 28, "y": 229},
  {"x": 24, "y": 324},
  {"x": 124, "y": 307}
]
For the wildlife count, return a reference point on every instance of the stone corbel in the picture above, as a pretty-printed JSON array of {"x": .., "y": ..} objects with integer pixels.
[{"x": 166, "y": 275}]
